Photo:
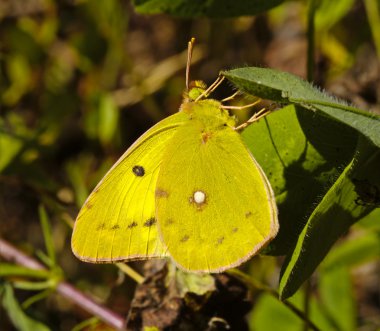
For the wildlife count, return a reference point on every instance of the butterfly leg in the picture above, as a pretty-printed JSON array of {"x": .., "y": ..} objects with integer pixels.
[
  {"x": 243, "y": 107},
  {"x": 260, "y": 114},
  {"x": 231, "y": 97}
]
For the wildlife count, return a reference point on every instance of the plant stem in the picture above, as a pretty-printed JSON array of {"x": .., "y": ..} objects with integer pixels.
[
  {"x": 373, "y": 14},
  {"x": 310, "y": 66},
  {"x": 130, "y": 272},
  {"x": 11, "y": 253},
  {"x": 306, "y": 304}
]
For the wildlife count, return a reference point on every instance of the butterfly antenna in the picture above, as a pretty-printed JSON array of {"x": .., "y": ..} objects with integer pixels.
[{"x": 189, "y": 55}]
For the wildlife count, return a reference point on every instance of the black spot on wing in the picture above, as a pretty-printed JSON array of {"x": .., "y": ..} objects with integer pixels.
[
  {"x": 151, "y": 221},
  {"x": 220, "y": 241},
  {"x": 234, "y": 230},
  {"x": 132, "y": 225},
  {"x": 138, "y": 170},
  {"x": 248, "y": 214},
  {"x": 184, "y": 239},
  {"x": 115, "y": 227},
  {"x": 101, "y": 226}
]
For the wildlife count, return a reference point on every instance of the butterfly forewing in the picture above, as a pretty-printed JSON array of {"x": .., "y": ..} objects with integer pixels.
[
  {"x": 218, "y": 210},
  {"x": 118, "y": 222}
]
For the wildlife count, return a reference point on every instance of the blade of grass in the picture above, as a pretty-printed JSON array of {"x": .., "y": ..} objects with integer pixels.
[
  {"x": 11, "y": 270},
  {"x": 34, "y": 286},
  {"x": 35, "y": 298},
  {"x": 312, "y": 8},
  {"x": 46, "y": 230},
  {"x": 130, "y": 272}
]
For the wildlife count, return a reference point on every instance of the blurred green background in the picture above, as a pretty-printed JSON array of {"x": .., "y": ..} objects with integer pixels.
[{"x": 80, "y": 80}]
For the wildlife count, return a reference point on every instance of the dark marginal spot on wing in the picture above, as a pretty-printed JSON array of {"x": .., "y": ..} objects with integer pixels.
[
  {"x": 169, "y": 221},
  {"x": 115, "y": 227},
  {"x": 234, "y": 230},
  {"x": 220, "y": 241},
  {"x": 132, "y": 225},
  {"x": 138, "y": 170},
  {"x": 248, "y": 214},
  {"x": 151, "y": 221},
  {"x": 184, "y": 239},
  {"x": 101, "y": 226},
  {"x": 88, "y": 205},
  {"x": 160, "y": 193}
]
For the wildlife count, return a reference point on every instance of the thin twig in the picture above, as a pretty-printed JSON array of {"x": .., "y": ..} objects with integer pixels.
[{"x": 12, "y": 254}]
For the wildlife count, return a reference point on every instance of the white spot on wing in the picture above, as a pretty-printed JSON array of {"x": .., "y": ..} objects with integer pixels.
[{"x": 199, "y": 197}]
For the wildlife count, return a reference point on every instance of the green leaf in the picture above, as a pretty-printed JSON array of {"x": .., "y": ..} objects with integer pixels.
[
  {"x": 86, "y": 324},
  {"x": 266, "y": 308},
  {"x": 287, "y": 88},
  {"x": 20, "y": 75},
  {"x": 371, "y": 221},
  {"x": 300, "y": 153},
  {"x": 10, "y": 146},
  {"x": 337, "y": 298},
  {"x": 17, "y": 316},
  {"x": 347, "y": 201},
  {"x": 270, "y": 313},
  {"x": 354, "y": 252},
  {"x": 330, "y": 12},
  {"x": 194, "y": 283},
  {"x": 108, "y": 119},
  {"x": 201, "y": 8}
]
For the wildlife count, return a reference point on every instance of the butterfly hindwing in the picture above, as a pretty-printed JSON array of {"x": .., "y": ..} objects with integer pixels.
[
  {"x": 117, "y": 221},
  {"x": 219, "y": 209}
]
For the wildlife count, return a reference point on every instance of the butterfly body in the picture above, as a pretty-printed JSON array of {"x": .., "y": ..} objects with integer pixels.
[{"x": 189, "y": 189}]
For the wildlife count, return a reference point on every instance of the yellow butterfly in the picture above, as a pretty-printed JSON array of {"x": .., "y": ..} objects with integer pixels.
[{"x": 188, "y": 189}]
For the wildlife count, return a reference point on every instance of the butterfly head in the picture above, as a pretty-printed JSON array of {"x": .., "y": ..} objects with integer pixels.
[{"x": 196, "y": 89}]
